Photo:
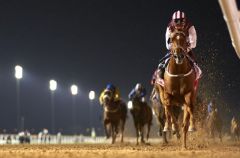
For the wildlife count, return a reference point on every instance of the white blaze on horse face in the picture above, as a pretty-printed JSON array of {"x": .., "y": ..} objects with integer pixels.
[
  {"x": 106, "y": 97},
  {"x": 178, "y": 60},
  {"x": 178, "y": 37}
]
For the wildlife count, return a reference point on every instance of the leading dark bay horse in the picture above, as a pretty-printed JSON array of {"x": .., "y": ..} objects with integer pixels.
[
  {"x": 114, "y": 116},
  {"x": 179, "y": 89},
  {"x": 142, "y": 115}
]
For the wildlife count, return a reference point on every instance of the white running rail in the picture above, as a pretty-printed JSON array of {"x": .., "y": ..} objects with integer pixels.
[{"x": 231, "y": 15}]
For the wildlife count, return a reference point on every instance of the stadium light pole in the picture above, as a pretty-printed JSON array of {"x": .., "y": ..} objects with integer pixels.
[
  {"x": 74, "y": 91},
  {"x": 52, "y": 87},
  {"x": 91, "y": 97},
  {"x": 18, "y": 76}
]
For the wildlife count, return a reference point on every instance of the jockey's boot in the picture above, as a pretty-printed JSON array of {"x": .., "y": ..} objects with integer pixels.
[
  {"x": 192, "y": 58},
  {"x": 161, "y": 68}
]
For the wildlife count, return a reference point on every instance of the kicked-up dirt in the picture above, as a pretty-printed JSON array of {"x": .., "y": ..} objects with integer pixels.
[{"x": 125, "y": 150}]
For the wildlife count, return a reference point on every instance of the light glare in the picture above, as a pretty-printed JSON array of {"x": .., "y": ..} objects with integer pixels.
[
  {"x": 91, "y": 95},
  {"x": 18, "y": 72},
  {"x": 130, "y": 105},
  {"x": 52, "y": 85},
  {"x": 74, "y": 90}
]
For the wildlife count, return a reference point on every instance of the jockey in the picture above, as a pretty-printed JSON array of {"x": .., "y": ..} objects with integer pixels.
[
  {"x": 179, "y": 22},
  {"x": 211, "y": 107},
  {"x": 138, "y": 92},
  {"x": 113, "y": 89}
]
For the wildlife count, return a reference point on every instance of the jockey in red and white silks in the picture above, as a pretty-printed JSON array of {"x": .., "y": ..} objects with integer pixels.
[{"x": 179, "y": 22}]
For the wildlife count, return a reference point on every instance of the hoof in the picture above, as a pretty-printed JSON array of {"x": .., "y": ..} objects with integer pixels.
[
  {"x": 184, "y": 148},
  {"x": 192, "y": 129}
]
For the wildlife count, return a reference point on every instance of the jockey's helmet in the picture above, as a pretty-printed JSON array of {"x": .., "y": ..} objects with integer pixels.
[
  {"x": 111, "y": 87},
  {"x": 179, "y": 19},
  {"x": 138, "y": 86}
]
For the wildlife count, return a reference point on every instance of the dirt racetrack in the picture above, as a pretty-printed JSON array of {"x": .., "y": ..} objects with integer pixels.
[{"x": 219, "y": 150}]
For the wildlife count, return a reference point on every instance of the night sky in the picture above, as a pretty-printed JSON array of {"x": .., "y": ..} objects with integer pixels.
[{"x": 92, "y": 43}]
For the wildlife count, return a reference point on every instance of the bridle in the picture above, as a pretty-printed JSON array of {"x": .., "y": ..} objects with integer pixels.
[{"x": 176, "y": 55}]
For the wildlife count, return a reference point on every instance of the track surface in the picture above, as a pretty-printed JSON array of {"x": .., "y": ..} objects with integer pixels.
[{"x": 125, "y": 150}]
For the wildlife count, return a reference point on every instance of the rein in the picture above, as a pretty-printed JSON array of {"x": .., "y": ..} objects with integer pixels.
[{"x": 178, "y": 75}]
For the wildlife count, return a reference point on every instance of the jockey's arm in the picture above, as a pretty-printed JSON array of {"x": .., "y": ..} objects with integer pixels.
[
  {"x": 131, "y": 94},
  {"x": 167, "y": 36},
  {"x": 192, "y": 39},
  {"x": 143, "y": 93}
]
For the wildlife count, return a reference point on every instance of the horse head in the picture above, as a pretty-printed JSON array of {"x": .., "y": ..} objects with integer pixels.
[
  {"x": 179, "y": 46},
  {"x": 108, "y": 98}
]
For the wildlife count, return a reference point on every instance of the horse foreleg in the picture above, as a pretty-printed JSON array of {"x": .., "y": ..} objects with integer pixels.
[
  {"x": 122, "y": 123},
  {"x": 105, "y": 129},
  {"x": 167, "y": 121},
  {"x": 137, "y": 131},
  {"x": 189, "y": 103},
  {"x": 185, "y": 126},
  {"x": 142, "y": 133},
  {"x": 113, "y": 128},
  {"x": 148, "y": 130}
]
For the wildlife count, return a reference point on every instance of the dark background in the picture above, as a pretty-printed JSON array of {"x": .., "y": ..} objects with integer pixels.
[{"x": 92, "y": 43}]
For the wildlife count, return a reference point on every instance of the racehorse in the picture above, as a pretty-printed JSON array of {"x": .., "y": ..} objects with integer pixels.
[
  {"x": 142, "y": 115},
  {"x": 114, "y": 116},
  {"x": 235, "y": 129},
  {"x": 179, "y": 81},
  {"x": 159, "y": 113},
  {"x": 214, "y": 124}
]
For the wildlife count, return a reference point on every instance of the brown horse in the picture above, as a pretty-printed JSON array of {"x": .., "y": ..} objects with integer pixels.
[
  {"x": 114, "y": 116},
  {"x": 142, "y": 115},
  {"x": 179, "y": 78}
]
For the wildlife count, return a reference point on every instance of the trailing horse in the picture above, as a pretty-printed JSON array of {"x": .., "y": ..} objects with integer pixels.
[
  {"x": 235, "y": 129},
  {"x": 214, "y": 124},
  {"x": 114, "y": 116},
  {"x": 179, "y": 86},
  {"x": 142, "y": 115}
]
